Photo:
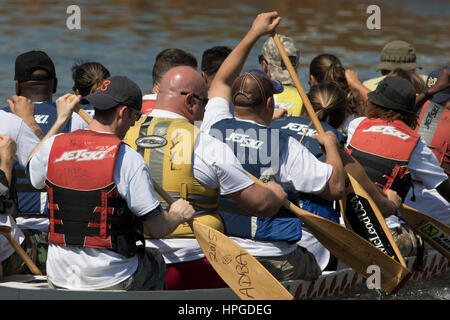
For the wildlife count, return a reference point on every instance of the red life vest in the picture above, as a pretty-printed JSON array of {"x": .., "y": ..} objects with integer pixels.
[
  {"x": 383, "y": 149},
  {"x": 84, "y": 204},
  {"x": 433, "y": 127}
]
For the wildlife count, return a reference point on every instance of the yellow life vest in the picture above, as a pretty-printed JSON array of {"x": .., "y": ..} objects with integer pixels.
[
  {"x": 167, "y": 146},
  {"x": 289, "y": 99},
  {"x": 372, "y": 84}
]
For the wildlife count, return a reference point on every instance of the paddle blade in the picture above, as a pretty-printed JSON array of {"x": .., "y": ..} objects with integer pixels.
[
  {"x": 353, "y": 250},
  {"x": 365, "y": 218},
  {"x": 433, "y": 231},
  {"x": 241, "y": 271}
]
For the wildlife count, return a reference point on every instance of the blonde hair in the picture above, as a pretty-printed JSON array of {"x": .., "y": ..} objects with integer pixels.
[{"x": 330, "y": 103}]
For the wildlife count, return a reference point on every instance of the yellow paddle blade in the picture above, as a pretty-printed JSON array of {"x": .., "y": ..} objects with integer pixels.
[
  {"x": 241, "y": 271},
  {"x": 433, "y": 231}
]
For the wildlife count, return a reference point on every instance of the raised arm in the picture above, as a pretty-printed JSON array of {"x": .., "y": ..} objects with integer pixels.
[{"x": 230, "y": 69}]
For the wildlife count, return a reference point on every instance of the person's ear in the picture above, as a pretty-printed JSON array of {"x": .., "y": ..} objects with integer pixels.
[
  {"x": 121, "y": 111},
  {"x": 312, "y": 80},
  {"x": 17, "y": 88},
  {"x": 265, "y": 67}
]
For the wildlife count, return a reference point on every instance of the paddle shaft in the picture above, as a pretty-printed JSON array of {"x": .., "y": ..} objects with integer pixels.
[
  {"x": 6, "y": 231},
  {"x": 298, "y": 85}
]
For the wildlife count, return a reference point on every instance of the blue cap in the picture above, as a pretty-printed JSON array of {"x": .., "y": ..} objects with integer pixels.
[{"x": 277, "y": 85}]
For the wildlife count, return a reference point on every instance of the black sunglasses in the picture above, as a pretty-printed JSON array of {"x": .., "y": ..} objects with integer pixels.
[{"x": 202, "y": 99}]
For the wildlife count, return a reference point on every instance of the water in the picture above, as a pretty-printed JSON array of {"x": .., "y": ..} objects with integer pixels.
[{"x": 126, "y": 36}]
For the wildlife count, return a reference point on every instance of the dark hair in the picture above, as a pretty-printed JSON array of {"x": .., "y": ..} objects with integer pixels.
[
  {"x": 377, "y": 112},
  {"x": 213, "y": 58},
  {"x": 169, "y": 58},
  {"x": 330, "y": 103},
  {"x": 328, "y": 68},
  {"x": 88, "y": 76},
  {"x": 412, "y": 76}
]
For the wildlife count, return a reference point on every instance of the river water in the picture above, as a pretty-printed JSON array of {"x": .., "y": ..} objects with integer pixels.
[{"x": 126, "y": 36}]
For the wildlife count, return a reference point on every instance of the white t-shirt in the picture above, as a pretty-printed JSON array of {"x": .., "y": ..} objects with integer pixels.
[
  {"x": 423, "y": 166},
  {"x": 14, "y": 127},
  {"x": 91, "y": 268},
  {"x": 299, "y": 170},
  {"x": 214, "y": 166}
]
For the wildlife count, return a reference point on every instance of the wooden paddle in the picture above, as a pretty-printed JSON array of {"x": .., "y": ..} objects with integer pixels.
[
  {"x": 433, "y": 231},
  {"x": 6, "y": 231},
  {"x": 354, "y": 200},
  {"x": 240, "y": 270},
  {"x": 351, "y": 248}
]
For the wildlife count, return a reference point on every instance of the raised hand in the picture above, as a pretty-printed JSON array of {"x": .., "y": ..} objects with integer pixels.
[{"x": 265, "y": 23}]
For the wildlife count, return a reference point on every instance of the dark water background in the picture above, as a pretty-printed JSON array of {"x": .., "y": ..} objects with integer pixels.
[{"x": 126, "y": 36}]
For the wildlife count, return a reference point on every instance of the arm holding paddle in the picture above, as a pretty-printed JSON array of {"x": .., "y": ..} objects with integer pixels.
[
  {"x": 65, "y": 105},
  {"x": 164, "y": 223},
  {"x": 387, "y": 202},
  {"x": 335, "y": 187}
]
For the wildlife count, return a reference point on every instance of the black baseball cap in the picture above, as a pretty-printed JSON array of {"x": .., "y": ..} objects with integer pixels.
[
  {"x": 394, "y": 93},
  {"x": 115, "y": 91},
  {"x": 30, "y": 61}
]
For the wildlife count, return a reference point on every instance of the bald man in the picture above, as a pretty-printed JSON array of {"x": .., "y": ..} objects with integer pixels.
[{"x": 194, "y": 166}]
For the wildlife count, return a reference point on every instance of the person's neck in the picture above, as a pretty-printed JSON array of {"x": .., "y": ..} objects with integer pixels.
[
  {"x": 95, "y": 125},
  {"x": 37, "y": 97},
  {"x": 252, "y": 117}
]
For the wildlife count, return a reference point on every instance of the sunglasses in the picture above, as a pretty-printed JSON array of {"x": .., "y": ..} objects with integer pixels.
[{"x": 202, "y": 99}]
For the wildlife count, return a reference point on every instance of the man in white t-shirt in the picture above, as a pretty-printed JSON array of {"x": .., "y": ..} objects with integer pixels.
[
  {"x": 25, "y": 140},
  {"x": 100, "y": 192},
  {"x": 265, "y": 151},
  {"x": 392, "y": 154},
  {"x": 194, "y": 166}
]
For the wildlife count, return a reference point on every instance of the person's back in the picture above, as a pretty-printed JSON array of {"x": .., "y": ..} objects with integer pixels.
[
  {"x": 273, "y": 65},
  {"x": 36, "y": 80},
  {"x": 391, "y": 152},
  {"x": 433, "y": 124},
  {"x": 194, "y": 166},
  {"x": 96, "y": 216},
  {"x": 164, "y": 61},
  {"x": 268, "y": 154}
]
